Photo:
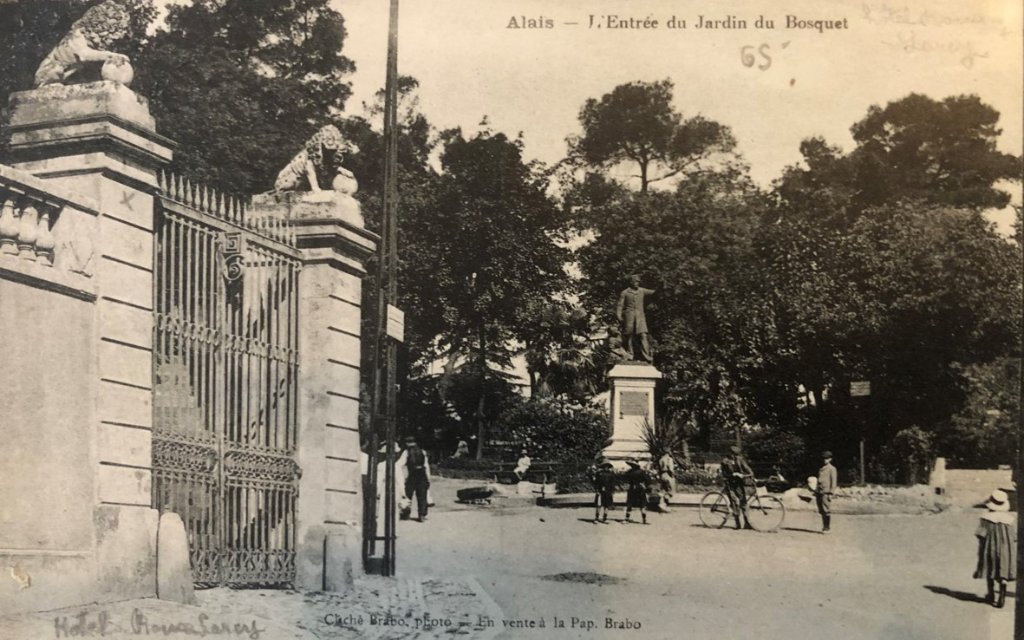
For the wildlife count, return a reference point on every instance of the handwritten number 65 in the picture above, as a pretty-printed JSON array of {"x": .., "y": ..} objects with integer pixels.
[
  {"x": 748, "y": 58},
  {"x": 749, "y": 55}
]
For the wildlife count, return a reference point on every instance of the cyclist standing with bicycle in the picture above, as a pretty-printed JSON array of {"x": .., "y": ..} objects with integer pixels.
[{"x": 736, "y": 470}]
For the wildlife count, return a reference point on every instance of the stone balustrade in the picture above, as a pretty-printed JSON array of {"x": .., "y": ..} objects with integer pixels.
[{"x": 26, "y": 226}]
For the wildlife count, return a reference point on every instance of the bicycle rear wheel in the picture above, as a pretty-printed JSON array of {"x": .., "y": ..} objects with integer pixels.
[
  {"x": 765, "y": 513},
  {"x": 714, "y": 509}
]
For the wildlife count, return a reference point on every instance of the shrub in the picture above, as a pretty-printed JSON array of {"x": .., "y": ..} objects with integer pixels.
[
  {"x": 910, "y": 454},
  {"x": 573, "y": 479},
  {"x": 697, "y": 477},
  {"x": 555, "y": 431},
  {"x": 770, "y": 448},
  {"x": 667, "y": 437},
  {"x": 464, "y": 468}
]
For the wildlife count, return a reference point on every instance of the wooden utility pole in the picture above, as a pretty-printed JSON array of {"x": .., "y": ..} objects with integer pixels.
[
  {"x": 1018, "y": 469},
  {"x": 385, "y": 378}
]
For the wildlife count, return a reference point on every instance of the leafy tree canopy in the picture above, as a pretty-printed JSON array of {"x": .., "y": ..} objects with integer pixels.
[
  {"x": 943, "y": 152},
  {"x": 637, "y": 124},
  {"x": 693, "y": 246},
  {"x": 242, "y": 85}
]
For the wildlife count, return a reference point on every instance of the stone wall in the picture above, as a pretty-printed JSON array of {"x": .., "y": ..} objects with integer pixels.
[
  {"x": 47, "y": 320},
  {"x": 83, "y": 423}
]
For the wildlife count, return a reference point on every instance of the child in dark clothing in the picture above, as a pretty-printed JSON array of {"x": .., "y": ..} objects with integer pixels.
[
  {"x": 636, "y": 493},
  {"x": 604, "y": 488}
]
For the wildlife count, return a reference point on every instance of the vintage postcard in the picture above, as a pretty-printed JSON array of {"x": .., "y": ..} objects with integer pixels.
[{"x": 510, "y": 318}]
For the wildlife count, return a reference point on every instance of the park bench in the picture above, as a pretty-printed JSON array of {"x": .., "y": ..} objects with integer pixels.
[{"x": 539, "y": 473}]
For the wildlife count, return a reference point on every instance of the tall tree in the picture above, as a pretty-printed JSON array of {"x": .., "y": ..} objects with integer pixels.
[
  {"x": 481, "y": 251},
  {"x": 561, "y": 359},
  {"x": 242, "y": 85},
  {"x": 939, "y": 151},
  {"x": 886, "y": 269},
  {"x": 636, "y": 123}
]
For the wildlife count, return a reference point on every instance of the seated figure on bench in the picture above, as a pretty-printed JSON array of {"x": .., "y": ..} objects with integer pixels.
[{"x": 522, "y": 465}]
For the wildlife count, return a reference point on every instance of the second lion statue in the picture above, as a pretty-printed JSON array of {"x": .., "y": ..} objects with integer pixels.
[{"x": 318, "y": 166}]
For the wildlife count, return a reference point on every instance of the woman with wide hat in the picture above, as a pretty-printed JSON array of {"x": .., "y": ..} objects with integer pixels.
[{"x": 997, "y": 547}]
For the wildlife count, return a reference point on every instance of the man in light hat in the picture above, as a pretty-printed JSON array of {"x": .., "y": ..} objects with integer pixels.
[
  {"x": 828, "y": 480},
  {"x": 736, "y": 471},
  {"x": 997, "y": 547}
]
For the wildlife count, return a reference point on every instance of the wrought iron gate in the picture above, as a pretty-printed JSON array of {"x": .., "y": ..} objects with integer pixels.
[{"x": 225, "y": 353}]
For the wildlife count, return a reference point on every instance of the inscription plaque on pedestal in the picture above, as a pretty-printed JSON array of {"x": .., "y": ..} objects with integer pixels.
[{"x": 633, "y": 403}]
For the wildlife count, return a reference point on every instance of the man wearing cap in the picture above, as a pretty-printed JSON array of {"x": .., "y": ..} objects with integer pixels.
[
  {"x": 736, "y": 471},
  {"x": 417, "y": 476},
  {"x": 828, "y": 479}
]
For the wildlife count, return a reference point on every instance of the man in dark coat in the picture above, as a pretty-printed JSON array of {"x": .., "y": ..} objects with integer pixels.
[
  {"x": 630, "y": 312},
  {"x": 417, "y": 478}
]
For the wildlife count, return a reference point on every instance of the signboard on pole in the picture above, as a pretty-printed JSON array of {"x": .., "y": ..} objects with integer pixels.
[
  {"x": 396, "y": 323},
  {"x": 860, "y": 388}
]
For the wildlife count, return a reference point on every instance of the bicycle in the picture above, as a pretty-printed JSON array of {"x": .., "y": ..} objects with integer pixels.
[{"x": 762, "y": 511}]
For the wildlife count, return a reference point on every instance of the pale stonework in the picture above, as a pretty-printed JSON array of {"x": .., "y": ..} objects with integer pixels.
[
  {"x": 85, "y": 327},
  {"x": 629, "y": 383},
  {"x": 334, "y": 248}
]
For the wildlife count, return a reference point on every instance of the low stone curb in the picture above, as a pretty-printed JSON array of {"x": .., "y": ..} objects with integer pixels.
[{"x": 842, "y": 505}]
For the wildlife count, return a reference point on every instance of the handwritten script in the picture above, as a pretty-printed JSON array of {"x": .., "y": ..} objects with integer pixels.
[{"x": 100, "y": 624}]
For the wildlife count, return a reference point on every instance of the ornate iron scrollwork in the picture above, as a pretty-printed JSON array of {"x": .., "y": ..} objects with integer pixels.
[
  {"x": 232, "y": 256},
  {"x": 259, "y": 466}
]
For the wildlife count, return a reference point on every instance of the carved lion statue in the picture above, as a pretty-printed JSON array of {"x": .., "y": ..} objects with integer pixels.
[
  {"x": 81, "y": 55},
  {"x": 318, "y": 165}
]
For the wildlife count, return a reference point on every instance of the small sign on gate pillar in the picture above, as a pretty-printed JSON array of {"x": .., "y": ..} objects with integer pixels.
[{"x": 396, "y": 323}]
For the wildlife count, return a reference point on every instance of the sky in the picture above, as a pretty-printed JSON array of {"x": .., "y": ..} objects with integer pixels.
[
  {"x": 796, "y": 83},
  {"x": 471, "y": 64}
]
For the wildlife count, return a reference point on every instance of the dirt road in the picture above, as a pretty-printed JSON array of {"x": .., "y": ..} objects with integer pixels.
[{"x": 874, "y": 577}]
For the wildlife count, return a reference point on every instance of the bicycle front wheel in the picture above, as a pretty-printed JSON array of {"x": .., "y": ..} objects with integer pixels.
[
  {"x": 714, "y": 510},
  {"x": 765, "y": 513}
]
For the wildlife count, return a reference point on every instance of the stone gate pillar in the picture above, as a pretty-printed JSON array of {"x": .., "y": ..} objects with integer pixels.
[
  {"x": 335, "y": 246},
  {"x": 99, "y": 140}
]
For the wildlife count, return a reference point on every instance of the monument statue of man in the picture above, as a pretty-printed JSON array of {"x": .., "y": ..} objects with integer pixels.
[{"x": 630, "y": 312}]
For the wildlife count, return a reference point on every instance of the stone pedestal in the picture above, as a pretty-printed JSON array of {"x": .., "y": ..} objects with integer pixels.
[
  {"x": 335, "y": 246},
  {"x": 98, "y": 141},
  {"x": 631, "y": 404}
]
